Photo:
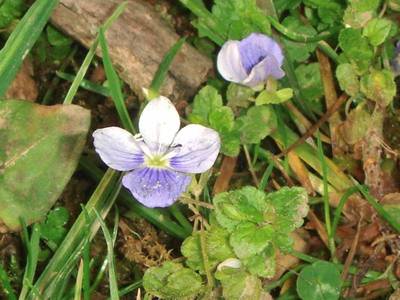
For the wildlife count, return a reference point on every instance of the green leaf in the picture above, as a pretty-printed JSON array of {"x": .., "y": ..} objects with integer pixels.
[
  {"x": 246, "y": 204},
  {"x": 217, "y": 247},
  {"x": 53, "y": 230},
  {"x": 321, "y": 280},
  {"x": 39, "y": 150},
  {"x": 348, "y": 79},
  {"x": 238, "y": 284},
  {"x": 235, "y": 19},
  {"x": 239, "y": 95},
  {"x": 329, "y": 12},
  {"x": 379, "y": 86},
  {"x": 359, "y": 12},
  {"x": 290, "y": 207},
  {"x": 56, "y": 38},
  {"x": 394, "y": 5},
  {"x": 230, "y": 142},
  {"x": 257, "y": 124},
  {"x": 309, "y": 78},
  {"x": 207, "y": 100},
  {"x": 298, "y": 51},
  {"x": 9, "y": 11},
  {"x": 263, "y": 264},
  {"x": 172, "y": 280},
  {"x": 269, "y": 97},
  {"x": 221, "y": 119},
  {"x": 248, "y": 239},
  {"x": 377, "y": 30},
  {"x": 356, "y": 48},
  {"x": 22, "y": 39},
  {"x": 356, "y": 125}
]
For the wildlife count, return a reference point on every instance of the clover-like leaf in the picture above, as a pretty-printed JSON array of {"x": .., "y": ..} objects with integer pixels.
[
  {"x": 39, "y": 150},
  {"x": 321, "y": 280}
]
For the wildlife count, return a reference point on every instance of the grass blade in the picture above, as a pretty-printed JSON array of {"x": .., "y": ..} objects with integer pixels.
[
  {"x": 5, "y": 282},
  {"x": 89, "y": 56},
  {"x": 163, "y": 68},
  {"x": 111, "y": 263},
  {"x": 115, "y": 85},
  {"x": 33, "y": 249},
  {"x": 64, "y": 259},
  {"x": 22, "y": 39}
]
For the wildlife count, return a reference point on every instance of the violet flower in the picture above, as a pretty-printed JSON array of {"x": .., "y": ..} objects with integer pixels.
[
  {"x": 250, "y": 61},
  {"x": 159, "y": 159}
]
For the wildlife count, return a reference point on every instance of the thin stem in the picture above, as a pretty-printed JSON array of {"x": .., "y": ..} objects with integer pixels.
[
  {"x": 178, "y": 215},
  {"x": 251, "y": 168},
  {"x": 299, "y": 37},
  {"x": 331, "y": 240}
]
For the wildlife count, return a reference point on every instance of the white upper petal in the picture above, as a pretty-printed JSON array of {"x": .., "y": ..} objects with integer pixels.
[
  {"x": 229, "y": 62},
  {"x": 118, "y": 148},
  {"x": 159, "y": 123},
  {"x": 197, "y": 148}
]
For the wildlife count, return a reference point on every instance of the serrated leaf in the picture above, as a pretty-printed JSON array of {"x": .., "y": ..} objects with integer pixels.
[
  {"x": 248, "y": 239},
  {"x": 10, "y": 10},
  {"x": 172, "y": 280},
  {"x": 217, "y": 245},
  {"x": 356, "y": 125},
  {"x": 230, "y": 142},
  {"x": 239, "y": 18},
  {"x": 238, "y": 284},
  {"x": 290, "y": 207},
  {"x": 263, "y": 264},
  {"x": 379, "y": 86},
  {"x": 359, "y": 12},
  {"x": 207, "y": 100},
  {"x": 321, "y": 280},
  {"x": 221, "y": 119},
  {"x": 239, "y": 95},
  {"x": 53, "y": 230},
  {"x": 356, "y": 48},
  {"x": 348, "y": 79},
  {"x": 309, "y": 78},
  {"x": 257, "y": 124},
  {"x": 298, "y": 51},
  {"x": 40, "y": 148},
  {"x": 247, "y": 195},
  {"x": 377, "y": 30},
  {"x": 269, "y": 97}
]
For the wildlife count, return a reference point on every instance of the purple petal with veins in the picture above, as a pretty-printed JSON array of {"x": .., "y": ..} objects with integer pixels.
[{"x": 156, "y": 187}]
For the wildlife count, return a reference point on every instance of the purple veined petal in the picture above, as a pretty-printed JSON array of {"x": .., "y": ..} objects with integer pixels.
[
  {"x": 118, "y": 148},
  {"x": 229, "y": 64},
  {"x": 159, "y": 123},
  {"x": 260, "y": 73},
  {"x": 156, "y": 187},
  {"x": 255, "y": 48},
  {"x": 197, "y": 149}
]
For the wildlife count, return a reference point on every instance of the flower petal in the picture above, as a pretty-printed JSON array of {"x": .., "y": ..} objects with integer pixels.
[
  {"x": 260, "y": 73},
  {"x": 118, "y": 148},
  {"x": 229, "y": 63},
  {"x": 254, "y": 48},
  {"x": 159, "y": 123},
  {"x": 156, "y": 187},
  {"x": 199, "y": 147}
]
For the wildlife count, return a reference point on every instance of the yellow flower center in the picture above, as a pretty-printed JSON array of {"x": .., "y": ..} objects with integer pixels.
[{"x": 158, "y": 162}]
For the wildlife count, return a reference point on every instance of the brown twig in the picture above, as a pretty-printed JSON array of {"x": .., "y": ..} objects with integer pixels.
[
  {"x": 310, "y": 131},
  {"x": 226, "y": 172}
]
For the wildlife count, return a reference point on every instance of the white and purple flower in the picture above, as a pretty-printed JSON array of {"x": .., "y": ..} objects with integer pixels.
[
  {"x": 158, "y": 161},
  {"x": 251, "y": 61}
]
